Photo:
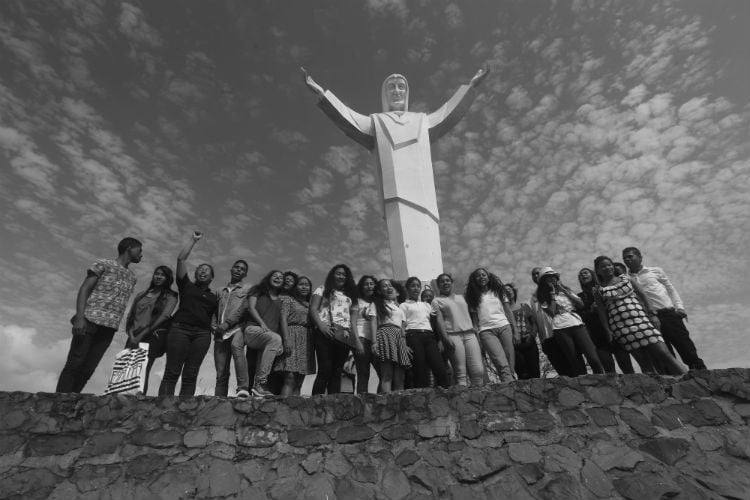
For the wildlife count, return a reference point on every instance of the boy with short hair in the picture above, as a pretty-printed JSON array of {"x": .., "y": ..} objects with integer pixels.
[{"x": 100, "y": 305}]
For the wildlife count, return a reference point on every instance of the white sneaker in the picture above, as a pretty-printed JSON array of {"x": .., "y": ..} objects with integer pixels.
[{"x": 242, "y": 393}]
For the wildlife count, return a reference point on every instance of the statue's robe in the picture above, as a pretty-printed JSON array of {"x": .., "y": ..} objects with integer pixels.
[{"x": 401, "y": 141}]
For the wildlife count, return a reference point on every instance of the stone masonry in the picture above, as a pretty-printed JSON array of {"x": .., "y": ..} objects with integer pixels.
[{"x": 635, "y": 437}]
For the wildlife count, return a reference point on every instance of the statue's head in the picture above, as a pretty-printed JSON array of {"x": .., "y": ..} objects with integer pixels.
[{"x": 395, "y": 93}]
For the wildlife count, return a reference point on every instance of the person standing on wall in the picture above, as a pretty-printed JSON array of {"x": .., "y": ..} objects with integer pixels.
[
  {"x": 227, "y": 322},
  {"x": 190, "y": 333},
  {"x": 663, "y": 298},
  {"x": 100, "y": 305}
]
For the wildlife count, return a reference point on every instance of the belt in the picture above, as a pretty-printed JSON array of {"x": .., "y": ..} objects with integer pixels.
[
  {"x": 664, "y": 310},
  {"x": 419, "y": 331}
]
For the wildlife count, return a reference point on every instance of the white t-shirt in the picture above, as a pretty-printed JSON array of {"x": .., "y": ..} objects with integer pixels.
[
  {"x": 417, "y": 315},
  {"x": 363, "y": 321},
  {"x": 395, "y": 314},
  {"x": 490, "y": 312},
  {"x": 340, "y": 306},
  {"x": 566, "y": 315}
]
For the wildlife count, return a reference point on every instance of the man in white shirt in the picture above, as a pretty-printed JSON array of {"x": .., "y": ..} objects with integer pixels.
[{"x": 664, "y": 299}]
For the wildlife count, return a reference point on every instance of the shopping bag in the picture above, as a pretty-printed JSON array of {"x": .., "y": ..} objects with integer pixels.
[{"x": 129, "y": 371}]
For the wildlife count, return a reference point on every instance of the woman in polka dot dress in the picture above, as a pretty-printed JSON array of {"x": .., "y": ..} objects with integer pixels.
[{"x": 630, "y": 322}]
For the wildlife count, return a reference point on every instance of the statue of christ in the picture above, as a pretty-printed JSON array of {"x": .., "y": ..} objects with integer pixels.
[{"x": 401, "y": 140}]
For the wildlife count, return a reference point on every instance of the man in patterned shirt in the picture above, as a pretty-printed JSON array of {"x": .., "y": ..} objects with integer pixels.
[{"x": 100, "y": 305}]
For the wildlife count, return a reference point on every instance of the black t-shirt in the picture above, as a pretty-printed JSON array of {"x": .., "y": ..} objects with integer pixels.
[
  {"x": 269, "y": 310},
  {"x": 197, "y": 305}
]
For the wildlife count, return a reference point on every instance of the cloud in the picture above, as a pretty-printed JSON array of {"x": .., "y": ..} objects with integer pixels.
[
  {"x": 289, "y": 138},
  {"x": 26, "y": 366},
  {"x": 385, "y": 8},
  {"x": 133, "y": 24},
  {"x": 453, "y": 16}
]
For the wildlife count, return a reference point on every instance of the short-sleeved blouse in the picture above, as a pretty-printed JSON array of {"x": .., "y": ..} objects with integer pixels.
[
  {"x": 455, "y": 312},
  {"x": 339, "y": 308}
]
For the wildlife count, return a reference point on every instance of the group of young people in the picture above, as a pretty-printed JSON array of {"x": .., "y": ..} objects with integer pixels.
[{"x": 281, "y": 329}]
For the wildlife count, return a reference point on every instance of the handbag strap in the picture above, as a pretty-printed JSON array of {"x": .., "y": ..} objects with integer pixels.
[{"x": 330, "y": 312}]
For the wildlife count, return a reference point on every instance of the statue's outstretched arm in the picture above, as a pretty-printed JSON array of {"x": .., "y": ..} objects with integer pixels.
[
  {"x": 450, "y": 113},
  {"x": 311, "y": 84},
  {"x": 480, "y": 75},
  {"x": 356, "y": 126}
]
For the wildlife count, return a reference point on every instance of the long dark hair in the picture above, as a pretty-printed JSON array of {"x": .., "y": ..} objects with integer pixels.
[
  {"x": 598, "y": 261},
  {"x": 167, "y": 285},
  {"x": 473, "y": 294},
  {"x": 165, "y": 290},
  {"x": 349, "y": 289},
  {"x": 361, "y": 284},
  {"x": 587, "y": 289},
  {"x": 295, "y": 277},
  {"x": 297, "y": 295},
  {"x": 380, "y": 301},
  {"x": 542, "y": 290},
  {"x": 264, "y": 286}
]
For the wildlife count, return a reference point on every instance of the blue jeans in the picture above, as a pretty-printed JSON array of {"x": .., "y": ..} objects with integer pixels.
[
  {"x": 467, "y": 356},
  {"x": 186, "y": 348},
  {"x": 269, "y": 346},
  {"x": 498, "y": 342},
  {"x": 85, "y": 353}
]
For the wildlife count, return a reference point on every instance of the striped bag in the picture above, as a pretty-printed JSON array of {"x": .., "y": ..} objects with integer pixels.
[{"x": 129, "y": 372}]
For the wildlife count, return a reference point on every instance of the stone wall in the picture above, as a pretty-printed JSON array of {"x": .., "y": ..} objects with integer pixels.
[{"x": 633, "y": 436}]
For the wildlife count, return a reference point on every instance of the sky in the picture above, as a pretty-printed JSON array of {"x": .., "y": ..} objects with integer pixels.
[{"x": 601, "y": 125}]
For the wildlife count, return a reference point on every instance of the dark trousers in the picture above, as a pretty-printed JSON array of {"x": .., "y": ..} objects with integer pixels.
[
  {"x": 85, "y": 353},
  {"x": 551, "y": 348},
  {"x": 362, "y": 363},
  {"x": 186, "y": 349},
  {"x": 331, "y": 356},
  {"x": 275, "y": 380},
  {"x": 527, "y": 360},
  {"x": 222, "y": 359},
  {"x": 676, "y": 336},
  {"x": 425, "y": 358},
  {"x": 575, "y": 341}
]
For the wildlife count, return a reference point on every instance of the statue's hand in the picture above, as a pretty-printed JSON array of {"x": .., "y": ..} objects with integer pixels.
[
  {"x": 311, "y": 83},
  {"x": 480, "y": 75}
]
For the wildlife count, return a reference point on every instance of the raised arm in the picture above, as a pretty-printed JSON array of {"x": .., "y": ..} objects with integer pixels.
[
  {"x": 314, "y": 87},
  {"x": 480, "y": 75},
  {"x": 356, "y": 126},
  {"x": 185, "y": 252},
  {"x": 450, "y": 113}
]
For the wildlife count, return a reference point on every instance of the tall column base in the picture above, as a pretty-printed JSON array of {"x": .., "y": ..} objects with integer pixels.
[{"x": 414, "y": 239}]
